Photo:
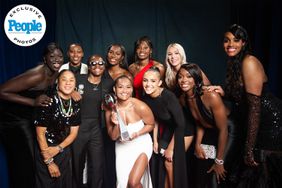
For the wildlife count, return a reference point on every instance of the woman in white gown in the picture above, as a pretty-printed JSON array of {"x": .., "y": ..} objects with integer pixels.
[{"x": 133, "y": 155}]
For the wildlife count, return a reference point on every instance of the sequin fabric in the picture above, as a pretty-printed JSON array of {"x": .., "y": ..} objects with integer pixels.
[
  {"x": 58, "y": 125},
  {"x": 270, "y": 130}
]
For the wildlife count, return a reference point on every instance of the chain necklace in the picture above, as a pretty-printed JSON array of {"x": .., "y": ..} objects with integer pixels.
[
  {"x": 96, "y": 87},
  {"x": 64, "y": 112}
]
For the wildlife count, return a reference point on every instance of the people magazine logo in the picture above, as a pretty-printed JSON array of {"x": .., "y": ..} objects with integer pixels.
[{"x": 25, "y": 25}]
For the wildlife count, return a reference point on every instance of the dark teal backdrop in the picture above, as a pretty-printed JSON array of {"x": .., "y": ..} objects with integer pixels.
[
  {"x": 198, "y": 25},
  {"x": 194, "y": 24}
]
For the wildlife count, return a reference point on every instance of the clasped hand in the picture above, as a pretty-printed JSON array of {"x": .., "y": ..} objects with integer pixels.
[{"x": 49, "y": 152}]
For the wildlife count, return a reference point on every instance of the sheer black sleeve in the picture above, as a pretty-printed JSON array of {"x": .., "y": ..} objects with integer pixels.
[{"x": 254, "y": 110}]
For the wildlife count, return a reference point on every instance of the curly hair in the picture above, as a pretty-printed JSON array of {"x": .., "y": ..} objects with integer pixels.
[{"x": 234, "y": 81}]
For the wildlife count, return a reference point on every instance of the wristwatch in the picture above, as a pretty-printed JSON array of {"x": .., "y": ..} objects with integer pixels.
[{"x": 61, "y": 149}]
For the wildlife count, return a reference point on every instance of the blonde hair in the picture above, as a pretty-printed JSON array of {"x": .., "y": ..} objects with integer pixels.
[{"x": 170, "y": 75}]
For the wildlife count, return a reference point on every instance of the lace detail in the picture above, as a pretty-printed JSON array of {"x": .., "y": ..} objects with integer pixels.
[{"x": 254, "y": 103}]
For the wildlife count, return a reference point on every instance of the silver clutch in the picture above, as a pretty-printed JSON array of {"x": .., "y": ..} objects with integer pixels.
[{"x": 209, "y": 150}]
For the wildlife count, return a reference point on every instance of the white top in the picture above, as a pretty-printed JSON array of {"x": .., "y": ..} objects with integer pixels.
[{"x": 83, "y": 69}]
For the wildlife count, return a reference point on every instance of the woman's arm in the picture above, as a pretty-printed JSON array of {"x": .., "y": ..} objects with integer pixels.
[
  {"x": 112, "y": 124},
  {"x": 220, "y": 115},
  {"x": 253, "y": 78},
  {"x": 52, "y": 151},
  {"x": 155, "y": 138},
  {"x": 41, "y": 139},
  {"x": 176, "y": 112},
  {"x": 147, "y": 116},
  {"x": 70, "y": 138},
  {"x": 30, "y": 79},
  {"x": 48, "y": 159},
  {"x": 200, "y": 131}
]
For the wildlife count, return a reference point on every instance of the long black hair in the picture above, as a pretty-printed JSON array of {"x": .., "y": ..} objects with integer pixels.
[
  {"x": 124, "y": 63},
  {"x": 234, "y": 81},
  {"x": 195, "y": 71}
]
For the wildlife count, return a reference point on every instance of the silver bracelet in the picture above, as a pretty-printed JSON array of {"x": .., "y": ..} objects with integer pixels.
[
  {"x": 49, "y": 161},
  {"x": 219, "y": 161}
]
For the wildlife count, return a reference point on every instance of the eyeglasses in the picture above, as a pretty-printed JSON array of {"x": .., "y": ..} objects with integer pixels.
[{"x": 100, "y": 63}]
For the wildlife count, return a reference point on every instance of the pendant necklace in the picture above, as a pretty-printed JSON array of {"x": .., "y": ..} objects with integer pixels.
[
  {"x": 96, "y": 87},
  {"x": 64, "y": 112}
]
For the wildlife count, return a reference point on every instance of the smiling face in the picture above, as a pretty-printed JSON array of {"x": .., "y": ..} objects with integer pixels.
[
  {"x": 115, "y": 55},
  {"x": 152, "y": 83},
  {"x": 232, "y": 46},
  {"x": 174, "y": 57},
  {"x": 123, "y": 88},
  {"x": 66, "y": 84},
  {"x": 143, "y": 51},
  {"x": 75, "y": 54},
  {"x": 54, "y": 60},
  {"x": 96, "y": 65},
  {"x": 185, "y": 80}
]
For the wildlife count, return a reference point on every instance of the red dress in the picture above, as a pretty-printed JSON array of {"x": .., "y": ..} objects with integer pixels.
[{"x": 137, "y": 81}]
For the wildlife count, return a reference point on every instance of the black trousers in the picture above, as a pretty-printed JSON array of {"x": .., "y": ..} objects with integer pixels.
[
  {"x": 88, "y": 144},
  {"x": 18, "y": 137},
  {"x": 42, "y": 176}
]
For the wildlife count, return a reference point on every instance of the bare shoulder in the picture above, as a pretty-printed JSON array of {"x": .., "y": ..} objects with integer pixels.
[
  {"x": 128, "y": 74},
  {"x": 251, "y": 65},
  {"x": 132, "y": 68},
  {"x": 139, "y": 105},
  {"x": 211, "y": 97},
  {"x": 250, "y": 62},
  {"x": 158, "y": 64}
]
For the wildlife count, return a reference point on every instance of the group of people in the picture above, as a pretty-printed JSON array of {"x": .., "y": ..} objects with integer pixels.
[{"x": 58, "y": 131}]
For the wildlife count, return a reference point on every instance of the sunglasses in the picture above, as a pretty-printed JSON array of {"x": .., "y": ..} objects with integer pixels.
[{"x": 100, "y": 63}]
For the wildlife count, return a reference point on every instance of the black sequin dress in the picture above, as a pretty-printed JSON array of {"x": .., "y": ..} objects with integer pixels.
[
  {"x": 58, "y": 127},
  {"x": 268, "y": 142}
]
